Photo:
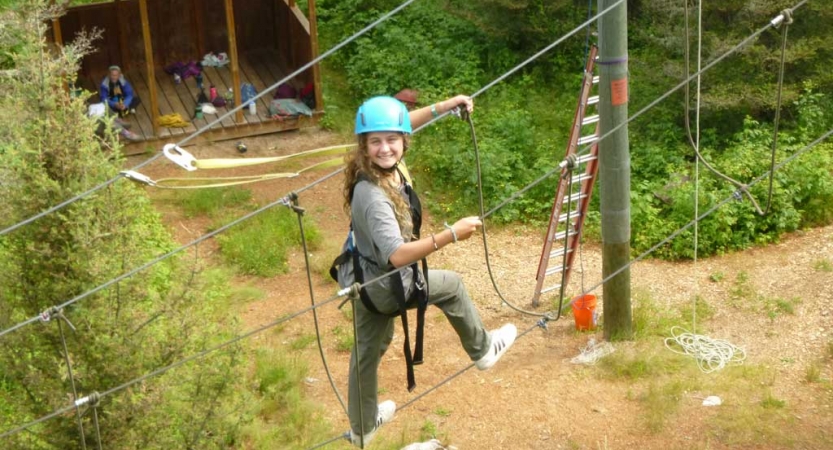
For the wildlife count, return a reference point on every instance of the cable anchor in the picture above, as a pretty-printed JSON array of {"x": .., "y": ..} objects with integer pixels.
[
  {"x": 137, "y": 177},
  {"x": 55, "y": 312},
  {"x": 93, "y": 400},
  {"x": 785, "y": 18}
]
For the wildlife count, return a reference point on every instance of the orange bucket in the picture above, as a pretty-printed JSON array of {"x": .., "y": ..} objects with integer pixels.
[{"x": 584, "y": 311}]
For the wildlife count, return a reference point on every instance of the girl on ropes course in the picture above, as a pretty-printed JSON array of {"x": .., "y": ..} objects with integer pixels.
[{"x": 385, "y": 235}]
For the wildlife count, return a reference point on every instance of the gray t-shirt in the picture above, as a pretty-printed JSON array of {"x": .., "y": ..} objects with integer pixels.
[{"x": 377, "y": 236}]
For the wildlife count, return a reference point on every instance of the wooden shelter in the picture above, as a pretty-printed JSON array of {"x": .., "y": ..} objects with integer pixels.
[{"x": 264, "y": 39}]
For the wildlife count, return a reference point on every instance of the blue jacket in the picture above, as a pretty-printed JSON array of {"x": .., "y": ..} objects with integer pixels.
[{"x": 112, "y": 100}]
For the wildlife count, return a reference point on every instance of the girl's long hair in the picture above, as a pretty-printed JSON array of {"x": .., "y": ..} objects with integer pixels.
[{"x": 358, "y": 163}]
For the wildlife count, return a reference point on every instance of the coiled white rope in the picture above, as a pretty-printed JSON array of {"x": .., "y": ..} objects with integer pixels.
[{"x": 711, "y": 354}]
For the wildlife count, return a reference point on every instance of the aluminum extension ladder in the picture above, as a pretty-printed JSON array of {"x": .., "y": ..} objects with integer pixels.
[{"x": 564, "y": 231}]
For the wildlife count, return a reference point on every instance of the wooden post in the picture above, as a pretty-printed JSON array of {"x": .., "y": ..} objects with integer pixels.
[
  {"x": 58, "y": 40},
  {"x": 313, "y": 42},
  {"x": 199, "y": 34},
  {"x": 151, "y": 78},
  {"x": 124, "y": 50},
  {"x": 232, "y": 51},
  {"x": 615, "y": 171},
  {"x": 56, "y": 32}
]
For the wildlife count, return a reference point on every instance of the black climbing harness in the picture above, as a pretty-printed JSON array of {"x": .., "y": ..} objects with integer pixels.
[{"x": 419, "y": 294}]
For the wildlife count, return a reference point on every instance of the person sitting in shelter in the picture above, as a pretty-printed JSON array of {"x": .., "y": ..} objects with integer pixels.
[{"x": 117, "y": 93}]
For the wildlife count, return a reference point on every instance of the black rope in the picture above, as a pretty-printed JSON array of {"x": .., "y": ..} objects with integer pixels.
[
  {"x": 467, "y": 117},
  {"x": 294, "y": 205}
]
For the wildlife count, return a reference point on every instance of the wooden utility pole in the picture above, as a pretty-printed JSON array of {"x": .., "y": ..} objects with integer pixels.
[{"x": 614, "y": 170}]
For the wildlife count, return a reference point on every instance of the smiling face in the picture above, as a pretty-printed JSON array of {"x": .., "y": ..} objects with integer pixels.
[{"x": 385, "y": 148}]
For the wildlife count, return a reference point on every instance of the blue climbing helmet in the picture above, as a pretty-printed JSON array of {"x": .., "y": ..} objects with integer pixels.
[{"x": 382, "y": 114}]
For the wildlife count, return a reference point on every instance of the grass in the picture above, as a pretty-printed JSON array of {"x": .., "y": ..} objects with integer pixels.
[
  {"x": 301, "y": 342},
  {"x": 282, "y": 416},
  {"x": 428, "y": 430},
  {"x": 770, "y": 402},
  {"x": 344, "y": 339},
  {"x": 246, "y": 294},
  {"x": 662, "y": 383},
  {"x": 442, "y": 412},
  {"x": 823, "y": 265},
  {"x": 813, "y": 373},
  {"x": 207, "y": 202},
  {"x": 259, "y": 246},
  {"x": 660, "y": 402},
  {"x": 775, "y": 307},
  {"x": 652, "y": 320}
]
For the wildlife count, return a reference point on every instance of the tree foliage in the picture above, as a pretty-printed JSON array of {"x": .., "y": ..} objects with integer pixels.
[
  {"x": 523, "y": 123},
  {"x": 50, "y": 152}
]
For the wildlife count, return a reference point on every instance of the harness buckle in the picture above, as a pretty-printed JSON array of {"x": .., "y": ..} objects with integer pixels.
[{"x": 180, "y": 157}]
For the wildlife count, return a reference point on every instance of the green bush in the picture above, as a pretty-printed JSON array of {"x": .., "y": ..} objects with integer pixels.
[{"x": 259, "y": 246}]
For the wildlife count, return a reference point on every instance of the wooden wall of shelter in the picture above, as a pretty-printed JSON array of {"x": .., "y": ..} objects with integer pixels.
[{"x": 185, "y": 30}]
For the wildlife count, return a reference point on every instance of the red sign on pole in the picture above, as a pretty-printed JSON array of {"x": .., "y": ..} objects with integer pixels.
[{"x": 619, "y": 92}]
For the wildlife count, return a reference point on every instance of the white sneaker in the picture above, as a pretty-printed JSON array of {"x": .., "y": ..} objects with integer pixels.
[
  {"x": 502, "y": 339},
  {"x": 385, "y": 415}
]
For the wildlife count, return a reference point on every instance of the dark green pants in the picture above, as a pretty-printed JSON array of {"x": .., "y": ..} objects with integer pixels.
[{"x": 375, "y": 333}]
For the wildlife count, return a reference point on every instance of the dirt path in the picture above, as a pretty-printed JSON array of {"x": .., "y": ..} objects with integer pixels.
[{"x": 536, "y": 399}]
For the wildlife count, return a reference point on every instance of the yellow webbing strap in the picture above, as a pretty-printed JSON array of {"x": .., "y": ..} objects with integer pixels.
[
  {"x": 227, "y": 163},
  {"x": 182, "y": 183}
]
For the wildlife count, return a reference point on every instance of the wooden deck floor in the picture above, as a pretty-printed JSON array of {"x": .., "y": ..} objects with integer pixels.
[{"x": 260, "y": 69}]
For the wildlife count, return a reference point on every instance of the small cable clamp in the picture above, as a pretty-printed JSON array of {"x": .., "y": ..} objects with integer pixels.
[
  {"x": 542, "y": 322},
  {"x": 570, "y": 162},
  {"x": 180, "y": 157},
  {"x": 46, "y": 316},
  {"x": 785, "y": 17},
  {"x": 93, "y": 400},
  {"x": 138, "y": 177}
]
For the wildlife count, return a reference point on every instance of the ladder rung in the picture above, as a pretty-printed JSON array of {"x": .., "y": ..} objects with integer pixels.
[
  {"x": 551, "y": 288},
  {"x": 586, "y": 158},
  {"x": 576, "y": 198},
  {"x": 573, "y": 215},
  {"x": 596, "y": 79},
  {"x": 593, "y": 100},
  {"x": 556, "y": 269},
  {"x": 559, "y": 236},
  {"x": 588, "y": 139},
  {"x": 580, "y": 179},
  {"x": 559, "y": 252},
  {"x": 590, "y": 120}
]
